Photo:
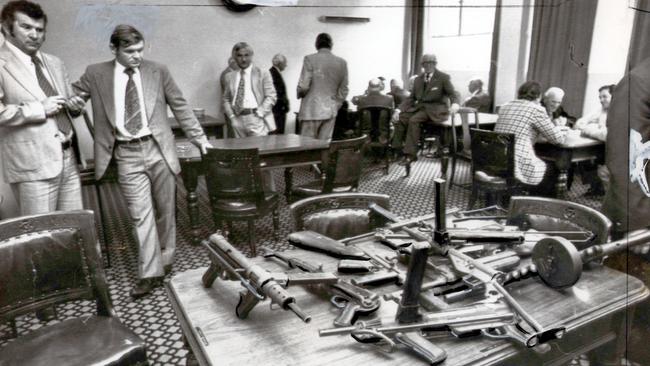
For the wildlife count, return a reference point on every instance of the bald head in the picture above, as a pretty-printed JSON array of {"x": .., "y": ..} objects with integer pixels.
[{"x": 279, "y": 61}]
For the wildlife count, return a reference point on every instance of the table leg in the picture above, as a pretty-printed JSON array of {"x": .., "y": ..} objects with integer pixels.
[
  {"x": 561, "y": 186},
  {"x": 190, "y": 176},
  {"x": 288, "y": 183}
]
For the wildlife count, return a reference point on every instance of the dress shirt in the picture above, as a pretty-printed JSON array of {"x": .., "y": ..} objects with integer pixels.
[
  {"x": 119, "y": 93},
  {"x": 528, "y": 121},
  {"x": 249, "y": 98},
  {"x": 594, "y": 125}
]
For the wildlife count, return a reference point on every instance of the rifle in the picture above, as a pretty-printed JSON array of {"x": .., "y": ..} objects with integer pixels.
[
  {"x": 354, "y": 301},
  {"x": 259, "y": 283}
]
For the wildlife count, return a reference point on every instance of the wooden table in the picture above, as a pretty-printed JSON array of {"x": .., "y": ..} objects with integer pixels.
[
  {"x": 575, "y": 149},
  {"x": 276, "y": 337},
  {"x": 276, "y": 151},
  {"x": 212, "y": 126}
]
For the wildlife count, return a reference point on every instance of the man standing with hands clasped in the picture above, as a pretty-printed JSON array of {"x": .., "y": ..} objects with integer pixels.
[{"x": 130, "y": 96}]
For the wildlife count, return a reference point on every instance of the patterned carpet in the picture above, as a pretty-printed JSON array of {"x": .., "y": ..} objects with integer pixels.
[{"x": 153, "y": 318}]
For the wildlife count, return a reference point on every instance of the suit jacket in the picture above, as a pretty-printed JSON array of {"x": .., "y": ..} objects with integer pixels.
[
  {"x": 399, "y": 97},
  {"x": 625, "y": 202},
  {"x": 373, "y": 100},
  {"x": 282, "y": 102},
  {"x": 323, "y": 85},
  {"x": 433, "y": 97},
  {"x": 263, "y": 89},
  {"x": 29, "y": 148},
  {"x": 159, "y": 90},
  {"x": 480, "y": 101},
  {"x": 560, "y": 112}
]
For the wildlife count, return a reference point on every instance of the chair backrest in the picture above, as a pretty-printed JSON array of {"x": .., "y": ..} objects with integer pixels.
[
  {"x": 339, "y": 215},
  {"x": 467, "y": 116},
  {"x": 344, "y": 165},
  {"x": 233, "y": 174},
  {"x": 48, "y": 259},
  {"x": 542, "y": 213},
  {"x": 375, "y": 122},
  {"x": 493, "y": 153}
]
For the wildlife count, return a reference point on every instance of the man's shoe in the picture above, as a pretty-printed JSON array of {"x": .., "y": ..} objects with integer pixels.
[
  {"x": 407, "y": 160},
  {"x": 168, "y": 269},
  {"x": 45, "y": 315},
  {"x": 595, "y": 192},
  {"x": 143, "y": 288}
]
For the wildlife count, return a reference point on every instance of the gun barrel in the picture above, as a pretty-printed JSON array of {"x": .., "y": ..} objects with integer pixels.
[{"x": 299, "y": 312}]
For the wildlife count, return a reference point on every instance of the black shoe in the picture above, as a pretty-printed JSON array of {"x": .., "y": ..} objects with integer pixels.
[
  {"x": 168, "y": 269},
  {"x": 595, "y": 192},
  {"x": 407, "y": 160},
  {"x": 45, "y": 315},
  {"x": 143, "y": 288}
]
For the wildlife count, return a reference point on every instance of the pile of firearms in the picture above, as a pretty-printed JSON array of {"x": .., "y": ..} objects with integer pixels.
[{"x": 493, "y": 312}]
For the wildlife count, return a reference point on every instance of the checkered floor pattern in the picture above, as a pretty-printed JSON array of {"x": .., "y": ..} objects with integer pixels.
[{"x": 152, "y": 317}]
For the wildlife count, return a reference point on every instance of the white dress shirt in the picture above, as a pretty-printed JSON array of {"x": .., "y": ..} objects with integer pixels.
[
  {"x": 120, "y": 79},
  {"x": 249, "y": 98}
]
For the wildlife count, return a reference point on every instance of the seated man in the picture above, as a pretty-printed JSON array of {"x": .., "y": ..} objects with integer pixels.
[
  {"x": 373, "y": 98},
  {"x": 527, "y": 120},
  {"x": 479, "y": 99},
  {"x": 397, "y": 92},
  {"x": 428, "y": 102},
  {"x": 553, "y": 103},
  {"x": 594, "y": 125}
]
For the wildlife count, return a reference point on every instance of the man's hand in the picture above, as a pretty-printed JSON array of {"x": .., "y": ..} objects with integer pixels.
[
  {"x": 75, "y": 104},
  {"x": 454, "y": 108},
  {"x": 53, "y": 105},
  {"x": 204, "y": 146},
  {"x": 395, "y": 117}
]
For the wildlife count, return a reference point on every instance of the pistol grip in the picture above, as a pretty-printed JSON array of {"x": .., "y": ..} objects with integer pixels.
[
  {"x": 422, "y": 347},
  {"x": 348, "y": 315},
  {"x": 210, "y": 276},
  {"x": 247, "y": 302}
]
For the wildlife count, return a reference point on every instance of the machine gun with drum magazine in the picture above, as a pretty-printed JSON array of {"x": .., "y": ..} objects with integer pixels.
[{"x": 231, "y": 264}]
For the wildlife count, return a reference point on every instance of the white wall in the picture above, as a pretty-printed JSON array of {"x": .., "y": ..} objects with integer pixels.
[{"x": 609, "y": 48}]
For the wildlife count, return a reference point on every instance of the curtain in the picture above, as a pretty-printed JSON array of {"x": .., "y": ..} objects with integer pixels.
[
  {"x": 414, "y": 29},
  {"x": 639, "y": 45},
  {"x": 560, "y": 47}
]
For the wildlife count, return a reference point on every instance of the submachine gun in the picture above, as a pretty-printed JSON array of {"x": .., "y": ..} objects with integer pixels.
[{"x": 231, "y": 264}]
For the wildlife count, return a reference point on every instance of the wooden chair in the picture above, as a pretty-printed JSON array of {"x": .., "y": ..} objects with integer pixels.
[
  {"x": 339, "y": 215},
  {"x": 541, "y": 213},
  {"x": 493, "y": 166},
  {"x": 53, "y": 258},
  {"x": 461, "y": 146},
  {"x": 236, "y": 189},
  {"x": 375, "y": 122},
  {"x": 342, "y": 169}
]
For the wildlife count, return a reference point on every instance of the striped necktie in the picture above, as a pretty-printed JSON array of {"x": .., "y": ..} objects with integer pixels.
[
  {"x": 239, "y": 99},
  {"x": 132, "y": 113},
  {"x": 62, "y": 119}
]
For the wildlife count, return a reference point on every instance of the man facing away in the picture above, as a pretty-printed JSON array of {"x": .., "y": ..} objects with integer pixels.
[
  {"x": 432, "y": 91},
  {"x": 479, "y": 99},
  {"x": 249, "y": 95},
  {"x": 281, "y": 106},
  {"x": 323, "y": 86},
  {"x": 130, "y": 96},
  {"x": 37, "y": 138}
]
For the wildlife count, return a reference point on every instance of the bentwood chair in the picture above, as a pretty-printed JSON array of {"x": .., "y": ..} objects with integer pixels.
[
  {"x": 343, "y": 169},
  {"x": 53, "y": 258},
  {"x": 339, "y": 215},
  {"x": 461, "y": 146},
  {"x": 549, "y": 214},
  {"x": 375, "y": 122},
  {"x": 236, "y": 189},
  {"x": 493, "y": 166}
]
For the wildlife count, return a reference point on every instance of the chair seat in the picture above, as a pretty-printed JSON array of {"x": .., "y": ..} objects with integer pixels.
[
  {"x": 315, "y": 188},
  {"x": 482, "y": 177},
  {"x": 93, "y": 340},
  {"x": 245, "y": 207}
]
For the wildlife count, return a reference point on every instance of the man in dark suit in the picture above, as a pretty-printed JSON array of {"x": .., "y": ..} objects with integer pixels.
[
  {"x": 397, "y": 92},
  {"x": 432, "y": 92},
  {"x": 130, "y": 97},
  {"x": 281, "y": 106},
  {"x": 552, "y": 101},
  {"x": 479, "y": 100}
]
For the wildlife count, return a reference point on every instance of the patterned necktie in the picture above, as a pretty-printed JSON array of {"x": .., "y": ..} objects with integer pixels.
[
  {"x": 239, "y": 99},
  {"x": 62, "y": 120},
  {"x": 132, "y": 115}
]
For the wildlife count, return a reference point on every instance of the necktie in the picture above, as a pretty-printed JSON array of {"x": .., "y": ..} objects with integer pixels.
[
  {"x": 132, "y": 114},
  {"x": 427, "y": 77},
  {"x": 239, "y": 99},
  {"x": 62, "y": 120}
]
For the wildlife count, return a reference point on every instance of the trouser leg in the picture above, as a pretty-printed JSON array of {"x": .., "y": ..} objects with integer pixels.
[
  {"x": 326, "y": 129},
  {"x": 69, "y": 197},
  {"x": 163, "y": 185},
  {"x": 413, "y": 132}
]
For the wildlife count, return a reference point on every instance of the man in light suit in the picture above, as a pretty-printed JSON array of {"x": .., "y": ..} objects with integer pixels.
[
  {"x": 281, "y": 106},
  {"x": 432, "y": 91},
  {"x": 323, "y": 86},
  {"x": 249, "y": 95},
  {"x": 37, "y": 139},
  {"x": 130, "y": 96}
]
